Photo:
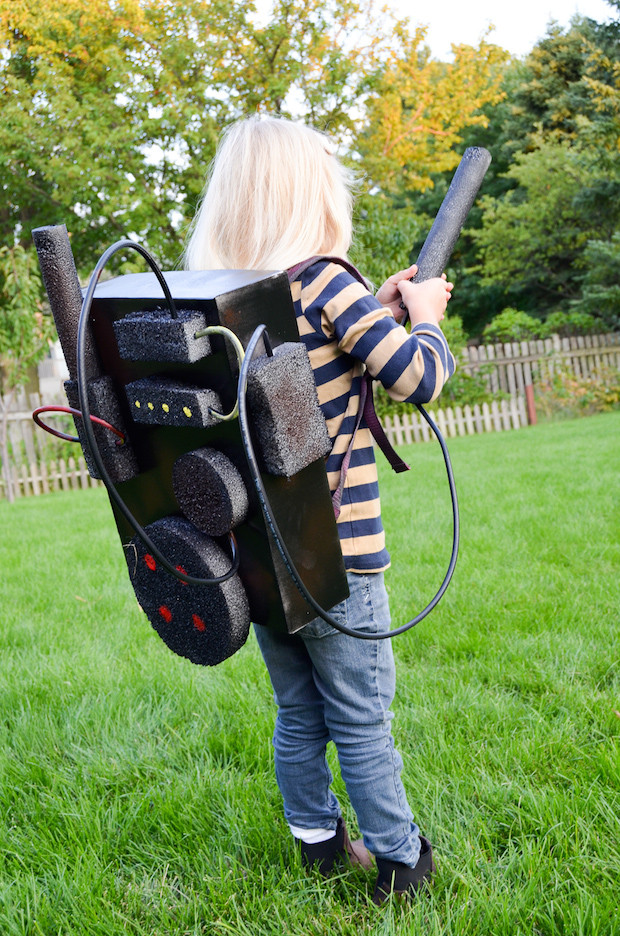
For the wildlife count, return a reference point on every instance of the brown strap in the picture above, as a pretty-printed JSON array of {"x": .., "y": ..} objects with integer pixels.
[{"x": 366, "y": 406}]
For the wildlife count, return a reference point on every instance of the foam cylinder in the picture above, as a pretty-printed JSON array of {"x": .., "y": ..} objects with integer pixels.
[
  {"x": 119, "y": 459},
  {"x": 210, "y": 491},
  {"x": 444, "y": 233},
  {"x": 64, "y": 293},
  {"x": 205, "y": 624},
  {"x": 287, "y": 421}
]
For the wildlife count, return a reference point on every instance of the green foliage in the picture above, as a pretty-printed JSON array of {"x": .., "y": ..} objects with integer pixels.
[
  {"x": 384, "y": 234},
  {"x": 512, "y": 325},
  {"x": 601, "y": 282},
  {"x": 534, "y": 237},
  {"x": 553, "y": 184},
  {"x": 75, "y": 78},
  {"x": 570, "y": 323},
  {"x": 24, "y": 331},
  {"x": 25, "y": 334}
]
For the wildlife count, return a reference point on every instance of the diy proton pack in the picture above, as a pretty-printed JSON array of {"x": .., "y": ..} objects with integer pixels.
[{"x": 194, "y": 401}]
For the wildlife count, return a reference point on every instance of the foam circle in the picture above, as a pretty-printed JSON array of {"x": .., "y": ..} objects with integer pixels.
[
  {"x": 203, "y": 623},
  {"x": 210, "y": 491}
]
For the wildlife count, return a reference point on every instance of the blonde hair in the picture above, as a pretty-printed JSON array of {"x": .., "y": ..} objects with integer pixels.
[{"x": 275, "y": 195}]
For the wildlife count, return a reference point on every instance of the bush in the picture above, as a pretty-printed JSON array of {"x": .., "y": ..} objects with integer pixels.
[
  {"x": 564, "y": 395},
  {"x": 512, "y": 325},
  {"x": 570, "y": 323}
]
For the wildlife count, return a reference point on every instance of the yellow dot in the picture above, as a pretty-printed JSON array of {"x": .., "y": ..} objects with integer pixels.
[
  {"x": 138, "y": 403},
  {"x": 187, "y": 411},
  {"x": 150, "y": 406},
  {"x": 165, "y": 407}
]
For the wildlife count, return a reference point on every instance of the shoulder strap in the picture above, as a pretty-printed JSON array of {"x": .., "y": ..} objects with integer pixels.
[
  {"x": 366, "y": 409},
  {"x": 295, "y": 272}
]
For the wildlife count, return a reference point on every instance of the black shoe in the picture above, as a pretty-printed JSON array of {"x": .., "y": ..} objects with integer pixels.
[
  {"x": 324, "y": 855},
  {"x": 401, "y": 880}
]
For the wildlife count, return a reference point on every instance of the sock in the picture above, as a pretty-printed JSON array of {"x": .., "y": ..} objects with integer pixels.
[{"x": 312, "y": 836}]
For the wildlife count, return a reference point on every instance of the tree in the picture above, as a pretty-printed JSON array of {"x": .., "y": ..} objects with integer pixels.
[
  {"x": 560, "y": 136},
  {"x": 532, "y": 240},
  {"x": 420, "y": 107},
  {"x": 25, "y": 334},
  {"x": 111, "y": 110}
]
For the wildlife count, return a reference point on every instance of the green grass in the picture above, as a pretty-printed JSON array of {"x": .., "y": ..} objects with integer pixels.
[{"x": 137, "y": 791}]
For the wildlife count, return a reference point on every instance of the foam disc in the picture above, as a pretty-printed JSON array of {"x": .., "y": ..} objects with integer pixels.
[
  {"x": 210, "y": 491},
  {"x": 206, "y": 624}
]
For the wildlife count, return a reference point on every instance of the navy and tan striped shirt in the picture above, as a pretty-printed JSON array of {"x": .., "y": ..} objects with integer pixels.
[{"x": 345, "y": 330}]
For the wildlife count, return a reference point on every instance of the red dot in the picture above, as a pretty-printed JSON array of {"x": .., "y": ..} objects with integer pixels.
[
  {"x": 180, "y": 568},
  {"x": 150, "y": 562},
  {"x": 199, "y": 624},
  {"x": 166, "y": 613}
]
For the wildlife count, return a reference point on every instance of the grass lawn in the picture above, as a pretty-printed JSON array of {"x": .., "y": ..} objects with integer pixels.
[{"x": 137, "y": 791}]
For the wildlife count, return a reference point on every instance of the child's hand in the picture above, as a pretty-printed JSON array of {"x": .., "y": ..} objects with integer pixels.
[
  {"x": 427, "y": 301},
  {"x": 389, "y": 295}
]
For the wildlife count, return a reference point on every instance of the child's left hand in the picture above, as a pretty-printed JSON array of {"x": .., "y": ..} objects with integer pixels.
[{"x": 388, "y": 294}]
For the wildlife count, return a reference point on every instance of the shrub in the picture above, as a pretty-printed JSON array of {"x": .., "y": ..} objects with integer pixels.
[
  {"x": 565, "y": 395},
  {"x": 512, "y": 325},
  {"x": 570, "y": 323}
]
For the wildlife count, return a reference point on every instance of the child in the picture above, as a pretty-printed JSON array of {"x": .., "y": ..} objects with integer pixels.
[{"x": 277, "y": 196}]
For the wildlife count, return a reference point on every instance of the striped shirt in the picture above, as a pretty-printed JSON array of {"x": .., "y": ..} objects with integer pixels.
[{"x": 345, "y": 330}]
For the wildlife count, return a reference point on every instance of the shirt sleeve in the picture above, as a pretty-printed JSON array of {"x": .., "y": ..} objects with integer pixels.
[{"x": 413, "y": 367}]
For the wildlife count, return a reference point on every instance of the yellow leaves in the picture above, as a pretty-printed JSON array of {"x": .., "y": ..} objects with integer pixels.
[
  {"x": 68, "y": 30},
  {"x": 420, "y": 107}
]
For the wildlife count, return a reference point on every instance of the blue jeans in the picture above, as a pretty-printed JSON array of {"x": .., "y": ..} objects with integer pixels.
[{"x": 329, "y": 686}]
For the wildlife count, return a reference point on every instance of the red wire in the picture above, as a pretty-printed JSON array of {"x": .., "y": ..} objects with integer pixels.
[{"x": 73, "y": 412}]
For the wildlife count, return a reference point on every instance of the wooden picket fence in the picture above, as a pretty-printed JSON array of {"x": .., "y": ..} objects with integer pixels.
[
  {"x": 511, "y": 367},
  {"x": 497, "y": 416},
  {"x": 42, "y": 477},
  {"x": 38, "y": 465}
]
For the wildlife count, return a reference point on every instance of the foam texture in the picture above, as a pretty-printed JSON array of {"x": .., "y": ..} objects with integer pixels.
[
  {"x": 119, "y": 460},
  {"x": 160, "y": 401},
  {"x": 210, "y": 491},
  {"x": 286, "y": 418},
  {"x": 155, "y": 336},
  {"x": 443, "y": 235},
  {"x": 64, "y": 293},
  {"x": 205, "y": 624}
]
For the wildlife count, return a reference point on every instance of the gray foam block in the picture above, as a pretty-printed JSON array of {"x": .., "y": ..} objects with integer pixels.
[
  {"x": 210, "y": 491},
  {"x": 155, "y": 336},
  {"x": 160, "y": 401},
  {"x": 203, "y": 623},
  {"x": 119, "y": 460},
  {"x": 286, "y": 418}
]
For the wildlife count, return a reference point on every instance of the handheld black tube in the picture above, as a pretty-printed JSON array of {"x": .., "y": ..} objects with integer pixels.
[{"x": 444, "y": 233}]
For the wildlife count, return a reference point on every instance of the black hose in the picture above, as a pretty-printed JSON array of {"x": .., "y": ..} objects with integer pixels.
[{"x": 273, "y": 526}]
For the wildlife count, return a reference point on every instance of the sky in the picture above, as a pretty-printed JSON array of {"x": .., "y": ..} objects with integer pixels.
[{"x": 519, "y": 24}]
